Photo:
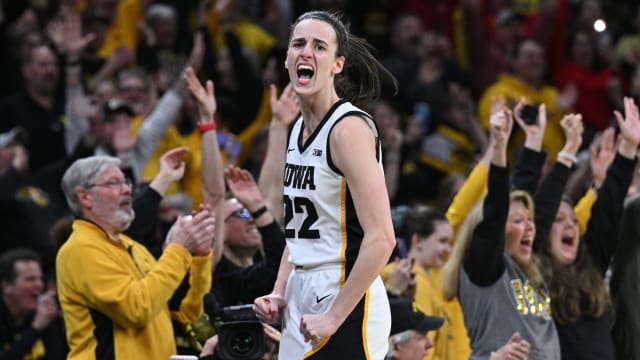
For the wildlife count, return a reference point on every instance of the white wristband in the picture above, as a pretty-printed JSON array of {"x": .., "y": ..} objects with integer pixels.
[{"x": 569, "y": 157}]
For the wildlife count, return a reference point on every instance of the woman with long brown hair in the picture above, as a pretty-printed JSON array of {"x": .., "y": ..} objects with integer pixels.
[{"x": 573, "y": 266}]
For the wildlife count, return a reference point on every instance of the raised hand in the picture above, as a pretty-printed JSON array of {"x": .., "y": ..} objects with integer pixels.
[
  {"x": 602, "y": 150},
  {"x": 55, "y": 32},
  {"x": 46, "y": 311},
  {"x": 206, "y": 98},
  {"x": 572, "y": 127},
  {"x": 401, "y": 280},
  {"x": 500, "y": 125},
  {"x": 75, "y": 42},
  {"x": 629, "y": 128},
  {"x": 172, "y": 163},
  {"x": 244, "y": 187},
  {"x": 534, "y": 132},
  {"x": 67, "y": 36},
  {"x": 286, "y": 107},
  {"x": 497, "y": 104}
]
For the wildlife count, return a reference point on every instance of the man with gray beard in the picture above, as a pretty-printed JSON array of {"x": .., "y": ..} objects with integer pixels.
[{"x": 113, "y": 293}]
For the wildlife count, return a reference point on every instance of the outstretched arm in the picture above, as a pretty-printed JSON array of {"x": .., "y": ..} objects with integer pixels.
[
  {"x": 147, "y": 203},
  {"x": 529, "y": 166},
  {"x": 607, "y": 210},
  {"x": 77, "y": 106},
  {"x": 285, "y": 110},
  {"x": 212, "y": 170},
  {"x": 549, "y": 195},
  {"x": 483, "y": 261},
  {"x": 602, "y": 151}
]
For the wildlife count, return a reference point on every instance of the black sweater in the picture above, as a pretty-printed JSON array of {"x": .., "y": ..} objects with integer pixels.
[
  {"x": 590, "y": 337},
  {"x": 234, "y": 285},
  {"x": 17, "y": 342}
]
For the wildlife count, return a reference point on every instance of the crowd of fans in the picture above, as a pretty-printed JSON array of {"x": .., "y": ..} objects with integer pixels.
[{"x": 550, "y": 87}]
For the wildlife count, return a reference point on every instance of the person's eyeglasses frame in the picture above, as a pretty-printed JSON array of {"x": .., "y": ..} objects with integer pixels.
[{"x": 112, "y": 184}]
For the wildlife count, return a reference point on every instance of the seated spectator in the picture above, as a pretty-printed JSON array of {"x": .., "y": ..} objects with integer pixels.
[
  {"x": 30, "y": 318},
  {"x": 428, "y": 235},
  {"x": 409, "y": 328},
  {"x": 113, "y": 293}
]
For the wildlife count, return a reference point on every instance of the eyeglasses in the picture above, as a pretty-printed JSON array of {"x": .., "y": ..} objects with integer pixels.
[
  {"x": 241, "y": 213},
  {"x": 113, "y": 184}
]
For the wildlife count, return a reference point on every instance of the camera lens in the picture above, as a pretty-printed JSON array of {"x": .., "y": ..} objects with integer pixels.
[
  {"x": 241, "y": 340},
  {"x": 242, "y": 343}
]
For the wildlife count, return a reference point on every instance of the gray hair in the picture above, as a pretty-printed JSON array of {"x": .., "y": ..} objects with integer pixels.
[
  {"x": 136, "y": 72},
  {"x": 396, "y": 339},
  {"x": 161, "y": 12},
  {"x": 82, "y": 174}
]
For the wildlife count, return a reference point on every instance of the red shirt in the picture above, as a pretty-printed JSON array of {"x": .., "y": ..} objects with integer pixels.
[{"x": 593, "y": 99}]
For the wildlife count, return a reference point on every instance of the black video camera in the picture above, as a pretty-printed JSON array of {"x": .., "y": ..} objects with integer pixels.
[{"x": 240, "y": 333}]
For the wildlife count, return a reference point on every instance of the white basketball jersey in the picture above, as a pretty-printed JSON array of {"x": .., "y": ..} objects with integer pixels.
[{"x": 321, "y": 225}]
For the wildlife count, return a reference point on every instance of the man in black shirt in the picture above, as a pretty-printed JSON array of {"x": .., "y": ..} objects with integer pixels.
[
  {"x": 243, "y": 273},
  {"x": 37, "y": 108},
  {"x": 30, "y": 323}
]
